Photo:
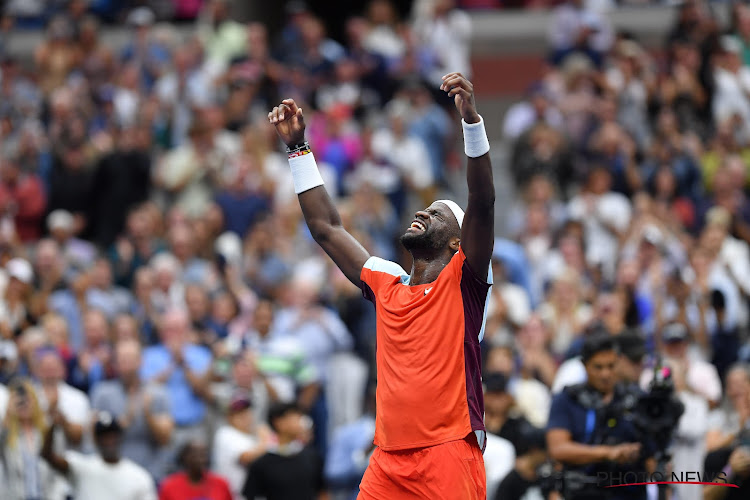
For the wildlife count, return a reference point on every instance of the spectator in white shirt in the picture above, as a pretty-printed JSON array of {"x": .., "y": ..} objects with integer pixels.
[
  {"x": 103, "y": 475},
  {"x": 238, "y": 443},
  {"x": 68, "y": 406},
  {"x": 731, "y": 98}
]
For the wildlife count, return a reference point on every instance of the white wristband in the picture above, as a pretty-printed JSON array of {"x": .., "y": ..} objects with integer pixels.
[
  {"x": 305, "y": 173},
  {"x": 475, "y": 139}
]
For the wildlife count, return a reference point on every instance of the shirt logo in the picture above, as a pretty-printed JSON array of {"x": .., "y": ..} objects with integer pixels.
[{"x": 427, "y": 291}]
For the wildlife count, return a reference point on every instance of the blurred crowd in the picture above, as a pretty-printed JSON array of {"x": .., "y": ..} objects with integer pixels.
[
  {"x": 158, "y": 281},
  {"x": 631, "y": 167}
]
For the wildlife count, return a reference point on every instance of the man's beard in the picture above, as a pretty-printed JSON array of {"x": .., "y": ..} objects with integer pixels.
[{"x": 427, "y": 240}]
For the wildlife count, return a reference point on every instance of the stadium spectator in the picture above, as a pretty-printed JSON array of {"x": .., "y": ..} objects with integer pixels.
[
  {"x": 350, "y": 450},
  {"x": 181, "y": 366},
  {"x": 291, "y": 469},
  {"x": 141, "y": 410},
  {"x": 239, "y": 443},
  {"x": 25, "y": 475},
  {"x": 195, "y": 479},
  {"x": 66, "y": 405},
  {"x": 93, "y": 362},
  {"x": 22, "y": 199},
  {"x": 105, "y": 474}
]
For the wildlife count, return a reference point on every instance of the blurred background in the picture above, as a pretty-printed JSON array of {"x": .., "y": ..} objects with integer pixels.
[{"x": 154, "y": 263}]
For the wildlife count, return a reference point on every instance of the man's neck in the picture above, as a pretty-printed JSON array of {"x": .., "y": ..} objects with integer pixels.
[
  {"x": 285, "y": 440},
  {"x": 130, "y": 382},
  {"x": 426, "y": 269},
  {"x": 195, "y": 476}
]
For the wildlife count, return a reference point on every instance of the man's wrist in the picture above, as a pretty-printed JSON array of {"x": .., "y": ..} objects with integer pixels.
[
  {"x": 472, "y": 118},
  {"x": 476, "y": 143},
  {"x": 296, "y": 143}
]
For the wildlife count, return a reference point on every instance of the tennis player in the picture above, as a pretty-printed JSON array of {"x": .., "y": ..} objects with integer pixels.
[{"x": 429, "y": 429}]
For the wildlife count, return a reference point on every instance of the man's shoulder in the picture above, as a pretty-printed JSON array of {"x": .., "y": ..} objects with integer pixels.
[
  {"x": 72, "y": 394},
  {"x": 380, "y": 265},
  {"x": 107, "y": 388},
  {"x": 155, "y": 351},
  {"x": 571, "y": 394}
]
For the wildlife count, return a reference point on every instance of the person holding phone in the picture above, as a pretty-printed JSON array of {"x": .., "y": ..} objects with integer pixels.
[{"x": 26, "y": 475}]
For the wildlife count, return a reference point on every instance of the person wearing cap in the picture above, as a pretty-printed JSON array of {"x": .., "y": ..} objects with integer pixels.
[
  {"x": 142, "y": 410},
  {"x": 680, "y": 351},
  {"x": 105, "y": 474},
  {"x": 429, "y": 321},
  {"x": 238, "y": 443}
]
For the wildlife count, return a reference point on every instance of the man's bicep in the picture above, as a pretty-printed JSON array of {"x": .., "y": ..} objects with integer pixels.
[
  {"x": 558, "y": 436},
  {"x": 346, "y": 252},
  {"x": 559, "y": 416},
  {"x": 478, "y": 228}
]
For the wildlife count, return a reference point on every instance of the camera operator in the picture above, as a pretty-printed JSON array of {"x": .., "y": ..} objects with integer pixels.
[{"x": 585, "y": 432}]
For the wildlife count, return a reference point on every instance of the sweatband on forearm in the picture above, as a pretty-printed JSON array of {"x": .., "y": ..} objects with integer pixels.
[
  {"x": 304, "y": 171},
  {"x": 475, "y": 139}
]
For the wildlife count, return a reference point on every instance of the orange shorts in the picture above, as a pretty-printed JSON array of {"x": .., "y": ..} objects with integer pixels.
[{"x": 448, "y": 471}]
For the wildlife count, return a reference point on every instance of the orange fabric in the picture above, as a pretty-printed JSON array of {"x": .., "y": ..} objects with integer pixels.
[
  {"x": 421, "y": 392},
  {"x": 448, "y": 471}
]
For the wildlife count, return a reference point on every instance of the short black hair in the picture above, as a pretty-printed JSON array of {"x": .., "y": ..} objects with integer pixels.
[
  {"x": 531, "y": 438},
  {"x": 595, "y": 343},
  {"x": 718, "y": 301},
  {"x": 280, "y": 410},
  {"x": 496, "y": 382}
]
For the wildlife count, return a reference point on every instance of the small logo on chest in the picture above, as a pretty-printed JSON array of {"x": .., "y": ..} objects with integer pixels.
[{"x": 427, "y": 291}]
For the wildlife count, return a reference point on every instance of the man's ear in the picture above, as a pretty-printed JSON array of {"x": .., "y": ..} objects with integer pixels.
[{"x": 454, "y": 244}]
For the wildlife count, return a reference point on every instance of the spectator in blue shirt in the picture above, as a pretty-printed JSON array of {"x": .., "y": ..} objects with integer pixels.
[{"x": 182, "y": 367}]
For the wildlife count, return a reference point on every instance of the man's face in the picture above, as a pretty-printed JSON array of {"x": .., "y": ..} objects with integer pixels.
[
  {"x": 628, "y": 370},
  {"x": 600, "y": 369},
  {"x": 196, "y": 457},
  {"x": 290, "y": 424},
  {"x": 127, "y": 358},
  {"x": 432, "y": 229},
  {"x": 676, "y": 349},
  {"x": 108, "y": 445},
  {"x": 263, "y": 317},
  {"x": 50, "y": 369},
  {"x": 497, "y": 403}
]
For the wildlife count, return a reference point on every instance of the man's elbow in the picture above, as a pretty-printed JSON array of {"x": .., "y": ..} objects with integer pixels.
[
  {"x": 74, "y": 434},
  {"x": 321, "y": 231},
  {"x": 557, "y": 453}
]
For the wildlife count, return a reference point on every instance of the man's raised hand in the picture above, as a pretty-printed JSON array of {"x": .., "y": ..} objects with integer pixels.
[
  {"x": 289, "y": 122},
  {"x": 461, "y": 89}
]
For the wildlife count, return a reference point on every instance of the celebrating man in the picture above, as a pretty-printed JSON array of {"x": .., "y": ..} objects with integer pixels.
[{"x": 429, "y": 422}]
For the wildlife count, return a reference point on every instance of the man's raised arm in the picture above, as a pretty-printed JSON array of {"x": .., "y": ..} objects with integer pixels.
[
  {"x": 478, "y": 228},
  {"x": 321, "y": 215}
]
